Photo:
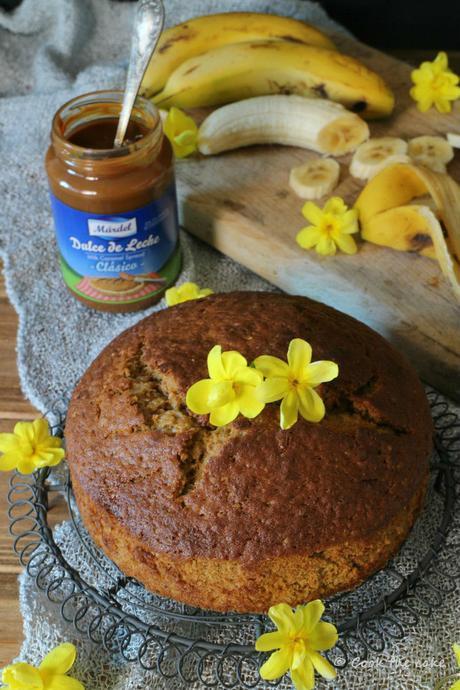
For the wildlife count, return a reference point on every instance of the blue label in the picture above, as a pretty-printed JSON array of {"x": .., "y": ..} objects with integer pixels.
[{"x": 102, "y": 246}]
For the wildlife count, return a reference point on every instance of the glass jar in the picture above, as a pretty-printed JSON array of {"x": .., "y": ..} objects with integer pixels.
[{"x": 115, "y": 209}]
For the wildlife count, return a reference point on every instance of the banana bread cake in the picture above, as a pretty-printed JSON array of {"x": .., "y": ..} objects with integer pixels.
[{"x": 247, "y": 515}]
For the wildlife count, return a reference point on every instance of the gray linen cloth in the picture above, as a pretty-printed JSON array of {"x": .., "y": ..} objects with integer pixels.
[{"x": 50, "y": 51}]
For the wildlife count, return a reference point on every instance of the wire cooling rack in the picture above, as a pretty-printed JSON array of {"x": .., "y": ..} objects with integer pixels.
[{"x": 178, "y": 641}]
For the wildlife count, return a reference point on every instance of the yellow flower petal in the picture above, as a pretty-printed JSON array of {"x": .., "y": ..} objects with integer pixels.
[
  {"x": 441, "y": 60},
  {"x": 312, "y": 613},
  {"x": 335, "y": 205},
  {"x": 312, "y": 212},
  {"x": 303, "y": 677},
  {"x": 271, "y": 640},
  {"x": 322, "y": 666},
  {"x": 271, "y": 366},
  {"x": 25, "y": 465},
  {"x": 282, "y": 616},
  {"x": 455, "y": 686},
  {"x": 299, "y": 357},
  {"x": 326, "y": 246},
  {"x": 272, "y": 389},
  {"x": 220, "y": 394},
  {"x": 277, "y": 665},
  {"x": 41, "y": 430},
  {"x": 323, "y": 636},
  {"x": 197, "y": 396},
  {"x": 59, "y": 660},
  {"x": 320, "y": 372},
  {"x": 64, "y": 683},
  {"x": 232, "y": 361},
  {"x": 308, "y": 237},
  {"x": 310, "y": 405},
  {"x": 345, "y": 243},
  {"x": 221, "y": 416},
  {"x": 9, "y": 461},
  {"x": 184, "y": 293},
  {"x": 289, "y": 410},
  {"x": 25, "y": 431},
  {"x": 215, "y": 366},
  {"x": 249, "y": 405},
  {"x": 22, "y": 676},
  {"x": 249, "y": 376},
  {"x": 182, "y": 132},
  {"x": 350, "y": 221},
  {"x": 8, "y": 442}
]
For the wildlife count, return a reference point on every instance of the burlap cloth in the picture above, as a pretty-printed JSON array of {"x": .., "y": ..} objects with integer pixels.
[{"x": 50, "y": 51}]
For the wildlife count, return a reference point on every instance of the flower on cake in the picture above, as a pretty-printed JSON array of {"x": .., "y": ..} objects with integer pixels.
[
  {"x": 30, "y": 447},
  {"x": 50, "y": 675},
  {"x": 331, "y": 227},
  {"x": 229, "y": 391},
  {"x": 293, "y": 382},
  {"x": 299, "y": 638},
  {"x": 184, "y": 293},
  {"x": 182, "y": 132},
  {"x": 435, "y": 84}
]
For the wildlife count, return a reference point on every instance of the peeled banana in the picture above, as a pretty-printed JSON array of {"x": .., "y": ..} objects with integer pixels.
[
  {"x": 201, "y": 34},
  {"x": 433, "y": 152},
  {"x": 311, "y": 123},
  {"x": 255, "y": 68},
  {"x": 388, "y": 215},
  {"x": 314, "y": 179},
  {"x": 375, "y": 154}
]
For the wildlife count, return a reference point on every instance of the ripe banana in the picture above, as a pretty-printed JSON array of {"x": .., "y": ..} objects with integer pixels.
[
  {"x": 433, "y": 152},
  {"x": 375, "y": 154},
  {"x": 387, "y": 216},
  {"x": 314, "y": 179},
  {"x": 311, "y": 123},
  {"x": 256, "y": 68},
  {"x": 201, "y": 34}
]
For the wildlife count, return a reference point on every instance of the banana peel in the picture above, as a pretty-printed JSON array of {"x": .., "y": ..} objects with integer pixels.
[{"x": 391, "y": 215}]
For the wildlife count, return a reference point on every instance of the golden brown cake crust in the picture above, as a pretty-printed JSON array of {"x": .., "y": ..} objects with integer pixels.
[{"x": 248, "y": 493}]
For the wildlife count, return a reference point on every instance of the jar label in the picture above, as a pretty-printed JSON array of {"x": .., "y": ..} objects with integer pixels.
[{"x": 118, "y": 258}]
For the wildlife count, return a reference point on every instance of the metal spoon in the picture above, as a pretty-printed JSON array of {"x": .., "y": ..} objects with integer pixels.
[{"x": 148, "y": 24}]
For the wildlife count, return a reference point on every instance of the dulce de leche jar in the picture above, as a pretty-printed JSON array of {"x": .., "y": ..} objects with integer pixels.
[{"x": 115, "y": 209}]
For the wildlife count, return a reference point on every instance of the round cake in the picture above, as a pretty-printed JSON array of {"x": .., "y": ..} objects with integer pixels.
[{"x": 247, "y": 515}]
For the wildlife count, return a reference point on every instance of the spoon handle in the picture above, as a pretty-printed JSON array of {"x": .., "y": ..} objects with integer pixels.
[{"x": 148, "y": 24}]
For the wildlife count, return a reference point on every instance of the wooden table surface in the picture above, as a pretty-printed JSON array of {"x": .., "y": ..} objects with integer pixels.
[{"x": 13, "y": 407}]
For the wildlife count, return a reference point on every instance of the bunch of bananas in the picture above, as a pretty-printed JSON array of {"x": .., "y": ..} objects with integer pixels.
[{"x": 229, "y": 57}]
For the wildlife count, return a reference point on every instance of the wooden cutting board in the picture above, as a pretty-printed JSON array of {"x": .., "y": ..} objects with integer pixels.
[{"x": 240, "y": 203}]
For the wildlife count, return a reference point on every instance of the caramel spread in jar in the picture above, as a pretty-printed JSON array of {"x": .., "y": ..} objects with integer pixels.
[{"x": 115, "y": 209}]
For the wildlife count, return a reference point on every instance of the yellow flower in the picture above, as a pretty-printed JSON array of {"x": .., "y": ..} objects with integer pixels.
[
  {"x": 294, "y": 381},
  {"x": 435, "y": 84},
  {"x": 331, "y": 227},
  {"x": 230, "y": 390},
  {"x": 30, "y": 447},
  {"x": 182, "y": 132},
  {"x": 50, "y": 675},
  {"x": 299, "y": 638},
  {"x": 184, "y": 293}
]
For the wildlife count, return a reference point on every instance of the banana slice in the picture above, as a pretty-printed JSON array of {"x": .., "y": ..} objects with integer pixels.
[
  {"x": 315, "y": 178},
  {"x": 432, "y": 152},
  {"x": 453, "y": 139},
  {"x": 375, "y": 154}
]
